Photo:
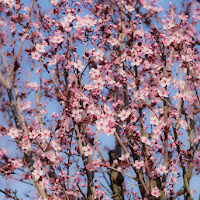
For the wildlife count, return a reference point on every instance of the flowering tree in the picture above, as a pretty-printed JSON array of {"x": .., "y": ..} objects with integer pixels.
[{"x": 75, "y": 74}]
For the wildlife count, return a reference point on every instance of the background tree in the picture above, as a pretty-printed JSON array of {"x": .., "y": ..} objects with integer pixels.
[{"x": 99, "y": 99}]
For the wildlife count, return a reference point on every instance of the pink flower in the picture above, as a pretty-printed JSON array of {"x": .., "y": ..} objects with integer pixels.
[
  {"x": 10, "y": 3},
  {"x": 138, "y": 164},
  {"x": 110, "y": 131},
  {"x": 56, "y": 145},
  {"x": 124, "y": 114},
  {"x": 169, "y": 25},
  {"x": 37, "y": 173},
  {"x": 69, "y": 18},
  {"x": 76, "y": 114},
  {"x": 17, "y": 163},
  {"x": 57, "y": 39},
  {"x": 87, "y": 150},
  {"x": 101, "y": 124},
  {"x": 78, "y": 65},
  {"x": 35, "y": 55},
  {"x": 44, "y": 183},
  {"x": 36, "y": 25},
  {"x": 139, "y": 95},
  {"x": 54, "y": 2},
  {"x": 40, "y": 48},
  {"x": 98, "y": 55},
  {"x": 33, "y": 134},
  {"x": 155, "y": 192},
  {"x": 90, "y": 167},
  {"x": 183, "y": 124},
  {"x": 124, "y": 156},
  {"x": 161, "y": 169},
  {"x": 94, "y": 73},
  {"x": 145, "y": 140},
  {"x": 183, "y": 17},
  {"x": 26, "y": 144},
  {"x": 52, "y": 61},
  {"x": 147, "y": 50},
  {"x": 113, "y": 41},
  {"x": 45, "y": 134},
  {"x": 129, "y": 8},
  {"x": 14, "y": 133},
  {"x": 33, "y": 85},
  {"x": 165, "y": 81},
  {"x": 26, "y": 105},
  {"x": 163, "y": 93},
  {"x": 12, "y": 26},
  {"x": 98, "y": 83},
  {"x": 37, "y": 164}
]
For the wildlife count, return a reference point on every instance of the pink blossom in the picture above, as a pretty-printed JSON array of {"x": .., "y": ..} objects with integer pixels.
[
  {"x": 124, "y": 114},
  {"x": 54, "y": 2},
  {"x": 69, "y": 18},
  {"x": 14, "y": 133},
  {"x": 33, "y": 85},
  {"x": 122, "y": 72},
  {"x": 57, "y": 39},
  {"x": 50, "y": 155},
  {"x": 110, "y": 131},
  {"x": 45, "y": 134},
  {"x": 40, "y": 48},
  {"x": 94, "y": 73},
  {"x": 113, "y": 41},
  {"x": 78, "y": 65},
  {"x": 183, "y": 17},
  {"x": 145, "y": 140},
  {"x": 44, "y": 183},
  {"x": 129, "y": 8},
  {"x": 186, "y": 58},
  {"x": 169, "y": 25},
  {"x": 155, "y": 192},
  {"x": 98, "y": 83},
  {"x": 26, "y": 105},
  {"x": 85, "y": 21},
  {"x": 163, "y": 92},
  {"x": 147, "y": 50},
  {"x": 52, "y": 61},
  {"x": 33, "y": 134},
  {"x": 90, "y": 167},
  {"x": 154, "y": 120},
  {"x": 139, "y": 95},
  {"x": 36, "y": 25},
  {"x": 35, "y": 55},
  {"x": 55, "y": 145},
  {"x": 12, "y": 26},
  {"x": 136, "y": 62},
  {"x": 183, "y": 124},
  {"x": 87, "y": 150},
  {"x": 26, "y": 144},
  {"x": 138, "y": 164},
  {"x": 161, "y": 169},
  {"x": 124, "y": 156},
  {"x": 37, "y": 173},
  {"x": 37, "y": 164},
  {"x": 101, "y": 124},
  {"x": 98, "y": 54},
  {"x": 17, "y": 163},
  {"x": 10, "y": 3},
  {"x": 165, "y": 81},
  {"x": 76, "y": 114}
]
